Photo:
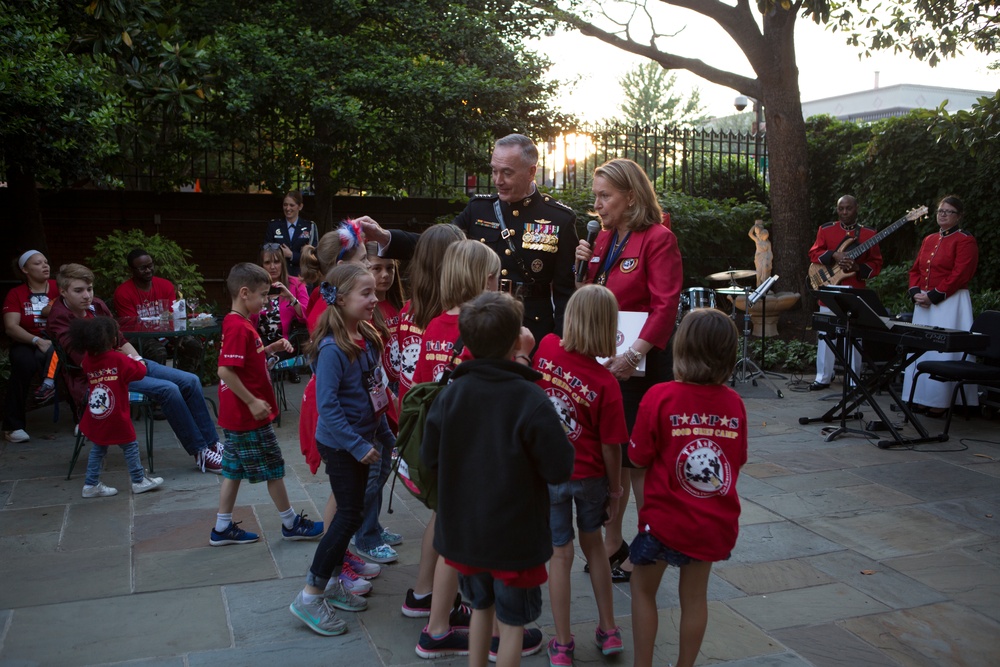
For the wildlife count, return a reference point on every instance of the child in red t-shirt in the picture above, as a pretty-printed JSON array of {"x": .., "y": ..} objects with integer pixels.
[
  {"x": 106, "y": 416},
  {"x": 588, "y": 399},
  {"x": 692, "y": 435},
  {"x": 246, "y": 409}
]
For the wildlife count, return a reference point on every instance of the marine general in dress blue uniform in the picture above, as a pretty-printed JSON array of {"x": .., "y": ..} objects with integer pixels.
[{"x": 534, "y": 235}]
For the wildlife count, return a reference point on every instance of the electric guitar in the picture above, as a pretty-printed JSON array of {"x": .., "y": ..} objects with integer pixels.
[{"x": 820, "y": 275}]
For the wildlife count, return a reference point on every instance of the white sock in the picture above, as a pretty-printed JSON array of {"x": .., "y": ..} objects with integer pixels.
[
  {"x": 419, "y": 596},
  {"x": 222, "y": 521},
  {"x": 310, "y": 599},
  {"x": 288, "y": 518},
  {"x": 48, "y": 382}
]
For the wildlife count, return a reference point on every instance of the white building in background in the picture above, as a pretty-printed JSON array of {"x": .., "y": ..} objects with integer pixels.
[{"x": 867, "y": 106}]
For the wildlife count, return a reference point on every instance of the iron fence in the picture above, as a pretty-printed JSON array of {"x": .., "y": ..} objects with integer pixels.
[{"x": 207, "y": 154}]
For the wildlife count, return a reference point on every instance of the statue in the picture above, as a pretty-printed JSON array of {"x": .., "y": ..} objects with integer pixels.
[{"x": 763, "y": 258}]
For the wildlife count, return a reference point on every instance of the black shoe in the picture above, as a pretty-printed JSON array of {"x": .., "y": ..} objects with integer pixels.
[
  {"x": 819, "y": 386},
  {"x": 616, "y": 559},
  {"x": 620, "y": 576},
  {"x": 294, "y": 378},
  {"x": 530, "y": 645}
]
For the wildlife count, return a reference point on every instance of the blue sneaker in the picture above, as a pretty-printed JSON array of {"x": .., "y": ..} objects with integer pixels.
[
  {"x": 232, "y": 535},
  {"x": 303, "y": 529},
  {"x": 391, "y": 538},
  {"x": 383, "y": 553}
]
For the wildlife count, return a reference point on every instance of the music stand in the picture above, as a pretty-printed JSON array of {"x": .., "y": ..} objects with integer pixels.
[{"x": 746, "y": 370}]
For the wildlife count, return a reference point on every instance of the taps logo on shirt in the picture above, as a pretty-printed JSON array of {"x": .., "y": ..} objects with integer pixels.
[
  {"x": 566, "y": 409},
  {"x": 703, "y": 469},
  {"x": 101, "y": 401}
]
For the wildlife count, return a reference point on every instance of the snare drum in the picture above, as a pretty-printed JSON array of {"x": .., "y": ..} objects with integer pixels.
[{"x": 694, "y": 297}]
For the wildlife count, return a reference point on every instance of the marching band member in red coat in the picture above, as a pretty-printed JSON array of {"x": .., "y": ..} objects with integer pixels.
[{"x": 944, "y": 266}]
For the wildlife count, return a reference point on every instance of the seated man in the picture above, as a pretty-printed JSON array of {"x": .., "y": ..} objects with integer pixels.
[
  {"x": 178, "y": 393},
  {"x": 142, "y": 296}
]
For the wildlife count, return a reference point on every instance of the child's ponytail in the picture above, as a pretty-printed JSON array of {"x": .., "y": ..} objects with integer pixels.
[{"x": 341, "y": 281}]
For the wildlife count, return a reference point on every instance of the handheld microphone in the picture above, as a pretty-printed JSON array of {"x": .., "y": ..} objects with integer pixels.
[{"x": 593, "y": 228}]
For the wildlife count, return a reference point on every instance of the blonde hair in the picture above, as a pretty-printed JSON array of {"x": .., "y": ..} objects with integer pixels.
[
  {"x": 466, "y": 267},
  {"x": 627, "y": 176},
  {"x": 590, "y": 324},
  {"x": 425, "y": 272},
  {"x": 315, "y": 262},
  {"x": 705, "y": 347},
  {"x": 331, "y": 322},
  {"x": 70, "y": 272}
]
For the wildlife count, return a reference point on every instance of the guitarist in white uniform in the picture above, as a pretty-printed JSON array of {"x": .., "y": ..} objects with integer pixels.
[{"x": 833, "y": 240}]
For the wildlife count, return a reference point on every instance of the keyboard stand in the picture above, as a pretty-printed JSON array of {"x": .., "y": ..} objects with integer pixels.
[{"x": 863, "y": 392}]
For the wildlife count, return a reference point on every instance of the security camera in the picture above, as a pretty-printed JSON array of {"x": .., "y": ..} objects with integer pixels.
[{"x": 741, "y": 102}]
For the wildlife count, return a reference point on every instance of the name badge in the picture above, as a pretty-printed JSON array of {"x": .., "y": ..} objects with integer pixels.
[{"x": 375, "y": 387}]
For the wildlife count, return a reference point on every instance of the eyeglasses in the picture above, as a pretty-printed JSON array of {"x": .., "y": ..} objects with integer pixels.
[
  {"x": 271, "y": 246},
  {"x": 946, "y": 211}
]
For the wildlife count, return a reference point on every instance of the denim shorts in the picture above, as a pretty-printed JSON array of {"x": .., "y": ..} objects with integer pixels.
[
  {"x": 591, "y": 496},
  {"x": 252, "y": 455},
  {"x": 514, "y": 606},
  {"x": 646, "y": 550}
]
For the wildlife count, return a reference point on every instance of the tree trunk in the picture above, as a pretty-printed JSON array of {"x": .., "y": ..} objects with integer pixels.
[{"x": 787, "y": 164}]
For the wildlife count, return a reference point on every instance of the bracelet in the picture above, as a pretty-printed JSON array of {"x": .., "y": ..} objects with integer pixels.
[
  {"x": 617, "y": 494},
  {"x": 296, "y": 303},
  {"x": 632, "y": 356},
  {"x": 523, "y": 356},
  {"x": 34, "y": 340}
]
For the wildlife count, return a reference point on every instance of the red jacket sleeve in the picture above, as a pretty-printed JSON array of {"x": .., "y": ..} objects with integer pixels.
[{"x": 665, "y": 284}]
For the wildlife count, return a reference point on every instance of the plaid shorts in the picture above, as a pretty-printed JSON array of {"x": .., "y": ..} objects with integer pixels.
[{"x": 252, "y": 455}]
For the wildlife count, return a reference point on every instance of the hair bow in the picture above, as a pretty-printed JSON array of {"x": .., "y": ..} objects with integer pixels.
[
  {"x": 328, "y": 292},
  {"x": 351, "y": 237}
]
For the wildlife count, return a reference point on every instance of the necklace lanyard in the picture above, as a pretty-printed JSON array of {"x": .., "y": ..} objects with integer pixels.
[{"x": 609, "y": 261}]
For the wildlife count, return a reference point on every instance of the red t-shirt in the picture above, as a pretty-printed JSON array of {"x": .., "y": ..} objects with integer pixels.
[
  {"x": 30, "y": 304},
  {"x": 390, "y": 353},
  {"x": 242, "y": 350},
  {"x": 693, "y": 440},
  {"x": 130, "y": 301},
  {"x": 409, "y": 349},
  {"x": 107, "y": 419},
  {"x": 437, "y": 349},
  {"x": 588, "y": 399}
]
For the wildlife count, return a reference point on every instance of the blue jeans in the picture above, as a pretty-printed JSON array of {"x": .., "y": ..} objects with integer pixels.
[
  {"x": 96, "y": 459},
  {"x": 369, "y": 535},
  {"x": 348, "y": 479},
  {"x": 183, "y": 404}
]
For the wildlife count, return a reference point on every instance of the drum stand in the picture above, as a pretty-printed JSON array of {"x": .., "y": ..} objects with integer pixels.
[{"x": 746, "y": 370}]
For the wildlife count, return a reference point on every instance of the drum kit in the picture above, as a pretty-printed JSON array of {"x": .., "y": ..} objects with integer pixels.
[{"x": 702, "y": 297}]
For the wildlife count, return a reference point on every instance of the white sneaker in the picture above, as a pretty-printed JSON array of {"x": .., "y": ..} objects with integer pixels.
[
  {"x": 353, "y": 583},
  {"x": 20, "y": 435},
  {"x": 99, "y": 490},
  {"x": 147, "y": 484}
]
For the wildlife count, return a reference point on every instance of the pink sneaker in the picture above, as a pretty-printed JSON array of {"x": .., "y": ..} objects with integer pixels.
[
  {"x": 560, "y": 655},
  {"x": 353, "y": 583},
  {"x": 361, "y": 567},
  {"x": 610, "y": 643}
]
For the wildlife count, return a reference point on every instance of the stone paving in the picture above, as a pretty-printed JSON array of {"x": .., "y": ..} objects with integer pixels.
[{"x": 848, "y": 555}]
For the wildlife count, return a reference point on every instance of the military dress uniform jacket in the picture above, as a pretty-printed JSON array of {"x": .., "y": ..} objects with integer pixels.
[
  {"x": 305, "y": 234},
  {"x": 543, "y": 233},
  {"x": 946, "y": 263},
  {"x": 828, "y": 239}
]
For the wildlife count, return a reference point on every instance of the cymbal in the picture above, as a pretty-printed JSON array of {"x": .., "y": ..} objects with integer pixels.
[
  {"x": 734, "y": 290},
  {"x": 733, "y": 274}
]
